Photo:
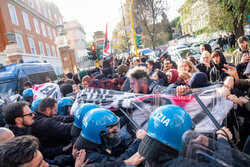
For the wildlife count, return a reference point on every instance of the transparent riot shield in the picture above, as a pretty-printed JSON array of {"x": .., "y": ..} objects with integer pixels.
[
  {"x": 218, "y": 106},
  {"x": 206, "y": 150},
  {"x": 140, "y": 106}
]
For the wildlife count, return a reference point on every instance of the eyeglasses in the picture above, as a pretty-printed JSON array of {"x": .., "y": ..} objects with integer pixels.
[{"x": 29, "y": 114}]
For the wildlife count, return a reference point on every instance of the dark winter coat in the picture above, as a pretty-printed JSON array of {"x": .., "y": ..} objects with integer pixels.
[
  {"x": 2, "y": 120},
  {"x": 118, "y": 163},
  {"x": 19, "y": 131},
  {"x": 102, "y": 157},
  {"x": 47, "y": 152},
  {"x": 221, "y": 41},
  {"x": 62, "y": 160},
  {"x": 51, "y": 132},
  {"x": 241, "y": 68},
  {"x": 203, "y": 68},
  {"x": 243, "y": 85}
]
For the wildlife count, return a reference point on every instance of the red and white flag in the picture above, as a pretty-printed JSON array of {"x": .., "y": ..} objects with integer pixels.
[{"x": 106, "y": 47}]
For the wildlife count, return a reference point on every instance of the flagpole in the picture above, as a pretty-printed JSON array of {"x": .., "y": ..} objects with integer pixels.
[
  {"x": 132, "y": 25},
  {"x": 124, "y": 26},
  {"x": 104, "y": 40}
]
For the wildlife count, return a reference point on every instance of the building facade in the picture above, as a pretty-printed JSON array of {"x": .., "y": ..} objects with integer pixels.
[
  {"x": 34, "y": 24},
  {"x": 98, "y": 37},
  {"x": 194, "y": 16},
  {"x": 77, "y": 37}
]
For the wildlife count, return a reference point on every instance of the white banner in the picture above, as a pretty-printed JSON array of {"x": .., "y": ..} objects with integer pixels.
[{"x": 46, "y": 90}]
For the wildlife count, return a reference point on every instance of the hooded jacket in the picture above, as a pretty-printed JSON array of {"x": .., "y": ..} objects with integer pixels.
[{"x": 216, "y": 73}]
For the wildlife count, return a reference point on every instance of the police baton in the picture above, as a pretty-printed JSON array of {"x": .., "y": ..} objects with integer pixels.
[
  {"x": 130, "y": 119},
  {"x": 218, "y": 126}
]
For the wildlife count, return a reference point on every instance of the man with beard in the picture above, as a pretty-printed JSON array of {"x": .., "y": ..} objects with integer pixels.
[
  {"x": 51, "y": 130},
  {"x": 19, "y": 118},
  {"x": 140, "y": 82}
]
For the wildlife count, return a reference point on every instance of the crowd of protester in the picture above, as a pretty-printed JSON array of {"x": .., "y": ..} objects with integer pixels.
[
  {"x": 227, "y": 42},
  {"x": 49, "y": 135}
]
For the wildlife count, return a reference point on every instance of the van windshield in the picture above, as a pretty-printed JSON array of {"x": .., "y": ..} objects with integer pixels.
[{"x": 6, "y": 86}]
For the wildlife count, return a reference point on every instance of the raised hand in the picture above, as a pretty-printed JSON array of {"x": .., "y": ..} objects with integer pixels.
[
  {"x": 81, "y": 158},
  {"x": 136, "y": 159},
  {"x": 230, "y": 70}
]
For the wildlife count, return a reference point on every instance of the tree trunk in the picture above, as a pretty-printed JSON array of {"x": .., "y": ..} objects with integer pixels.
[{"x": 238, "y": 28}]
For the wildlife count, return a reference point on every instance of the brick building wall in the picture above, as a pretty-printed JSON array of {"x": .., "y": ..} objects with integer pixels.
[{"x": 20, "y": 17}]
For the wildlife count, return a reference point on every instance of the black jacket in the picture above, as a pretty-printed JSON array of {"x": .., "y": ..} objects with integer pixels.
[
  {"x": 47, "y": 152},
  {"x": 62, "y": 160},
  {"x": 241, "y": 68},
  {"x": 2, "y": 120},
  {"x": 51, "y": 132},
  {"x": 221, "y": 41},
  {"x": 203, "y": 68},
  {"x": 216, "y": 73},
  {"x": 19, "y": 131},
  {"x": 102, "y": 157}
]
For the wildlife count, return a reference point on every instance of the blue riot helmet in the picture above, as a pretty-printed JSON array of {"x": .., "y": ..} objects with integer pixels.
[
  {"x": 64, "y": 106},
  {"x": 166, "y": 126},
  {"x": 99, "y": 126},
  {"x": 35, "y": 105},
  {"x": 78, "y": 116},
  {"x": 28, "y": 95}
]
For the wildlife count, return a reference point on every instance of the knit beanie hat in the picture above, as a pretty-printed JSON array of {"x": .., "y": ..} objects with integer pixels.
[
  {"x": 175, "y": 75},
  {"x": 199, "y": 80}
]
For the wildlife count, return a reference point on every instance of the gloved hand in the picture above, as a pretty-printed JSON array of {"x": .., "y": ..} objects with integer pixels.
[{"x": 223, "y": 133}]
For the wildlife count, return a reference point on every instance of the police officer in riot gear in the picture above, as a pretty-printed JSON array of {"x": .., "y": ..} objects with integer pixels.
[
  {"x": 170, "y": 135},
  {"x": 100, "y": 137},
  {"x": 78, "y": 116},
  {"x": 163, "y": 142},
  {"x": 64, "y": 106},
  {"x": 28, "y": 95}
]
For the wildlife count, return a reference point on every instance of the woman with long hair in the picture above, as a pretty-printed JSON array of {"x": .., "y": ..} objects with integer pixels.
[
  {"x": 217, "y": 74},
  {"x": 187, "y": 66}
]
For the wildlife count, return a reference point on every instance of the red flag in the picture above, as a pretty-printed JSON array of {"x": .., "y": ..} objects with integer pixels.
[{"x": 106, "y": 47}]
